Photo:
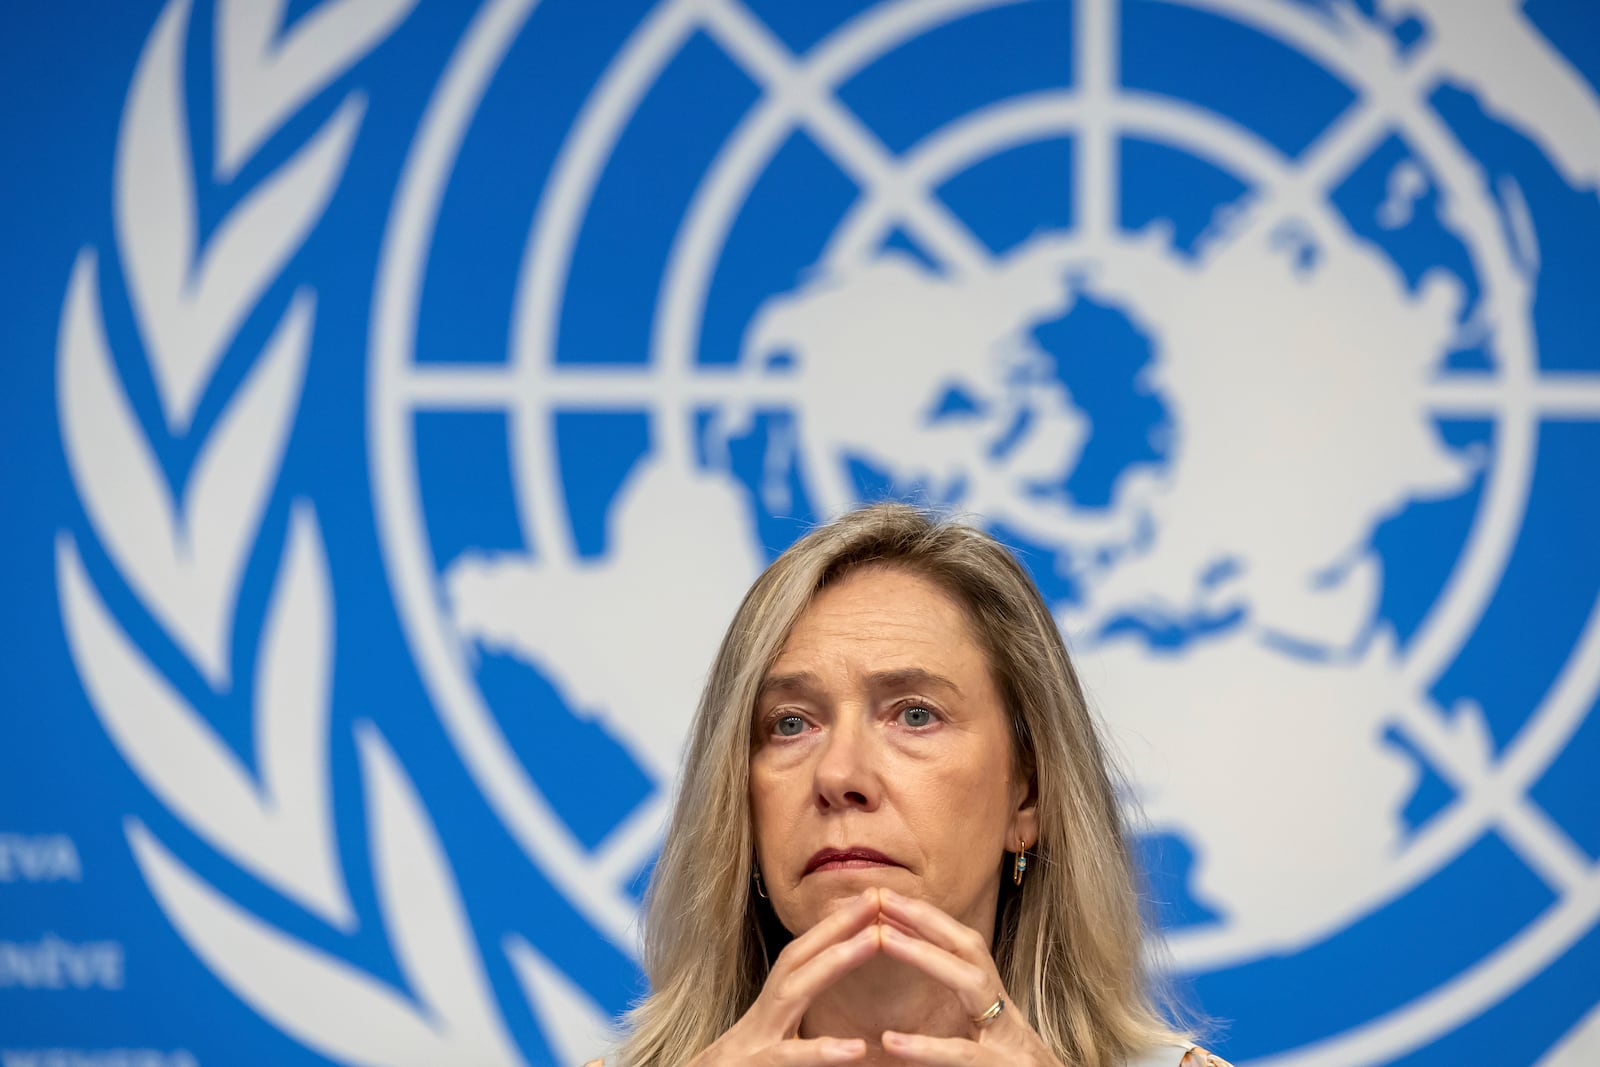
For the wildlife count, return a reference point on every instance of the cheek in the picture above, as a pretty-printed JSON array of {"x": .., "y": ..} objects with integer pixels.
[
  {"x": 771, "y": 805},
  {"x": 964, "y": 801}
]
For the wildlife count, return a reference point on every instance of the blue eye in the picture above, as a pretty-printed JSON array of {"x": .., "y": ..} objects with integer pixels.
[
  {"x": 790, "y": 726},
  {"x": 916, "y": 716}
]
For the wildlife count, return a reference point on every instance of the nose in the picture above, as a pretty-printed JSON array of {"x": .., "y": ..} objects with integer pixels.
[{"x": 847, "y": 775}]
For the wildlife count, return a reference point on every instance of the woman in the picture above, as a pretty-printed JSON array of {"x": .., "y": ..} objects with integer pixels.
[{"x": 896, "y": 840}]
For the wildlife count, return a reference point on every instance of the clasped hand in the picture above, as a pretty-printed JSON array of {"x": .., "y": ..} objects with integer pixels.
[{"x": 912, "y": 931}]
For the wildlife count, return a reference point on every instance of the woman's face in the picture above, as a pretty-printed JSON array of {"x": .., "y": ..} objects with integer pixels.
[{"x": 883, "y": 756}]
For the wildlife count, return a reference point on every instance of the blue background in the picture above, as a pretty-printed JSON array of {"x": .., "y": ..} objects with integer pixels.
[{"x": 64, "y": 72}]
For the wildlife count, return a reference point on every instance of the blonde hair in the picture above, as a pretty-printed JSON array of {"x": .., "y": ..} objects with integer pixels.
[{"x": 1069, "y": 946}]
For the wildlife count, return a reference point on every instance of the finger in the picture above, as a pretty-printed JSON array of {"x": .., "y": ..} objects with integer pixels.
[
  {"x": 931, "y": 924},
  {"x": 845, "y": 921},
  {"x": 975, "y": 985},
  {"x": 815, "y": 1051},
  {"x": 785, "y": 997},
  {"x": 936, "y": 1051}
]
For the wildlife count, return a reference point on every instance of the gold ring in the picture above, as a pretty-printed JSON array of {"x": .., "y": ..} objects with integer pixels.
[{"x": 992, "y": 1014}]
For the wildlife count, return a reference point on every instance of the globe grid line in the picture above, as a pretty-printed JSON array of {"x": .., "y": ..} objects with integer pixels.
[
  {"x": 593, "y": 386},
  {"x": 797, "y": 95},
  {"x": 546, "y": 285},
  {"x": 1097, "y": 171},
  {"x": 1552, "y": 396},
  {"x": 1349, "y": 138},
  {"x": 1561, "y": 710},
  {"x": 562, "y": 207},
  {"x": 541, "y": 286},
  {"x": 1010, "y": 123},
  {"x": 1546, "y": 848},
  {"x": 1460, "y": 998},
  {"x": 1483, "y": 803},
  {"x": 520, "y": 806},
  {"x": 448, "y": 385},
  {"x": 1175, "y": 123},
  {"x": 729, "y": 178},
  {"x": 840, "y": 134},
  {"x": 1524, "y": 398}
]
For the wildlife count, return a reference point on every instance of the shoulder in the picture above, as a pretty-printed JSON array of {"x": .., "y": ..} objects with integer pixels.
[{"x": 1176, "y": 1056}]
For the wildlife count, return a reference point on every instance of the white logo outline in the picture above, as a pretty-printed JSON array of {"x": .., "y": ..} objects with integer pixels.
[{"x": 1516, "y": 399}]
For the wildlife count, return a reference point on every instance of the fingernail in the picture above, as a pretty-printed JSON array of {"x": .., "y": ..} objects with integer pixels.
[{"x": 845, "y": 1050}]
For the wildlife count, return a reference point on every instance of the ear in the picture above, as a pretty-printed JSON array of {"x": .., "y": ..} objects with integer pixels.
[{"x": 1024, "y": 822}]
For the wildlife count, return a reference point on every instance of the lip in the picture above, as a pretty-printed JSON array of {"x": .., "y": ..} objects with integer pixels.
[{"x": 850, "y": 857}]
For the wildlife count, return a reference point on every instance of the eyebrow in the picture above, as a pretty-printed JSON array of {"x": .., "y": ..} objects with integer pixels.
[{"x": 906, "y": 678}]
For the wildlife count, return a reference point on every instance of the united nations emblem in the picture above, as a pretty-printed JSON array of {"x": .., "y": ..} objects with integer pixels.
[{"x": 1234, "y": 317}]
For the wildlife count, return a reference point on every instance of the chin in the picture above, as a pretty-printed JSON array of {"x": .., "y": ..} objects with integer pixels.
[{"x": 837, "y": 885}]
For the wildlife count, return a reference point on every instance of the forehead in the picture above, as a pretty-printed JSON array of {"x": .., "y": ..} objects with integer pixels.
[{"x": 883, "y": 618}]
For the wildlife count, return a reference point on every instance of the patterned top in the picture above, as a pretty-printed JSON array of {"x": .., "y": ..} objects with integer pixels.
[
  {"x": 1189, "y": 1056},
  {"x": 1178, "y": 1056}
]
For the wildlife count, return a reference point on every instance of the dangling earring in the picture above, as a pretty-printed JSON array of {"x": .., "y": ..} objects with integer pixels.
[
  {"x": 1020, "y": 868},
  {"x": 755, "y": 873}
]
